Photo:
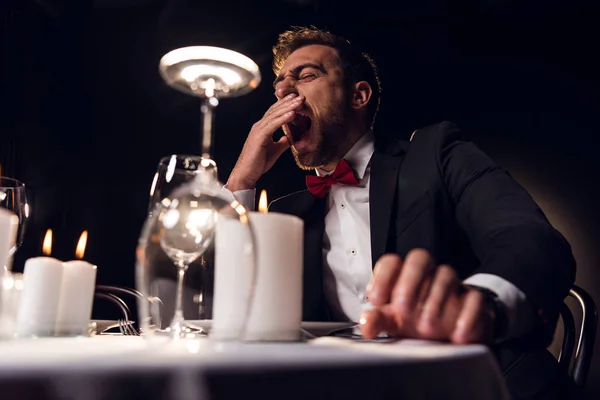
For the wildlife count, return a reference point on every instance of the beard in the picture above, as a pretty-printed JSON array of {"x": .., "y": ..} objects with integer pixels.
[{"x": 328, "y": 135}]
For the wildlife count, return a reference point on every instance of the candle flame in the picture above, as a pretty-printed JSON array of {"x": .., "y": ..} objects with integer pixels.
[
  {"x": 262, "y": 202},
  {"x": 80, "y": 250},
  {"x": 47, "y": 244}
]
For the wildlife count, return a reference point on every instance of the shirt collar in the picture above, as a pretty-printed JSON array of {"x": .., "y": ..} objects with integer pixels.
[{"x": 359, "y": 156}]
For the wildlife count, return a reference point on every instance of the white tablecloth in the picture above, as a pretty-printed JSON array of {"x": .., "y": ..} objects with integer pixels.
[{"x": 129, "y": 367}]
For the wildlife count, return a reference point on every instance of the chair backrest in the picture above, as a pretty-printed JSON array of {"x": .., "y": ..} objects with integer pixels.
[{"x": 584, "y": 345}]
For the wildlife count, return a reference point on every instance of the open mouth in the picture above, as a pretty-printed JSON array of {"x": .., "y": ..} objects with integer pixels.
[{"x": 299, "y": 127}]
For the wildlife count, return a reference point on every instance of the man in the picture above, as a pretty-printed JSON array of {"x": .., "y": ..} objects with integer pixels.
[{"x": 421, "y": 239}]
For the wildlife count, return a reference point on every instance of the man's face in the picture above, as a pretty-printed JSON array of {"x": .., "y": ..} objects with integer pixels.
[{"x": 318, "y": 129}]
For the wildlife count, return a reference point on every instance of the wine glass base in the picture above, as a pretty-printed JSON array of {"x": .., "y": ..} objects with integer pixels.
[{"x": 184, "y": 331}]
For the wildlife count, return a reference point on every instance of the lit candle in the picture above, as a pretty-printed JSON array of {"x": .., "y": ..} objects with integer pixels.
[
  {"x": 276, "y": 312},
  {"x": 47, "y": 243},
  {"x": 77, "y": 293},
  {"x": 38, "y": 303}
]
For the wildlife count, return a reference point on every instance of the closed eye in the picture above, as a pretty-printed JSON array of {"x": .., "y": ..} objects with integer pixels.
[{"x": 308, "y": 77}]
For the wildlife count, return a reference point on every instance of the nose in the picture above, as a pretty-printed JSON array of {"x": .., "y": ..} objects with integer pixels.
[{"x": 285, "y": 87}]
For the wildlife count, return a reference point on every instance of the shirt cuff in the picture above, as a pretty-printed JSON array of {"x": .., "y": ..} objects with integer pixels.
[
  {"x": 245, "y": 196},
  {"x": 518, "y": 308}
]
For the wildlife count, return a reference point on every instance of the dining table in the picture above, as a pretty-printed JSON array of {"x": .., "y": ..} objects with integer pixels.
[{"x": 116, "y": 366}]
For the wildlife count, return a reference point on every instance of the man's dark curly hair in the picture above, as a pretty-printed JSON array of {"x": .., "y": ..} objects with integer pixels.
[{"x": 357, "y": 66}]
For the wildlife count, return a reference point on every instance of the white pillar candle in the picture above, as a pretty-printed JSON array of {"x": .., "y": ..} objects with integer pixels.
[
  {"x": 9, "y": 224},
  {"x": 76, "y": 298},
  {"x": 231, "y": 279},
  {"x": 276, "y": 312},
  {"x": 38, "y": 303}
]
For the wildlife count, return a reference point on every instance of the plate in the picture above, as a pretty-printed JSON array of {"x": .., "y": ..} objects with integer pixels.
[
  {"x": 102, "y": 325},
  {"x": 313, "y": 327},
  {"x": 325, "y": 328}
]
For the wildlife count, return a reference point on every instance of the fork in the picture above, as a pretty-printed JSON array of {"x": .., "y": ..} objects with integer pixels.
[{"x": 126, "y": 328}]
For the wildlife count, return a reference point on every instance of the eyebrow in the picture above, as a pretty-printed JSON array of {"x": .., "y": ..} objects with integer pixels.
[{"x": 297, "y": 70}]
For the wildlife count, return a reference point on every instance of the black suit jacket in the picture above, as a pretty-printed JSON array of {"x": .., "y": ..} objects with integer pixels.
[{"x": 441, "y": 193}]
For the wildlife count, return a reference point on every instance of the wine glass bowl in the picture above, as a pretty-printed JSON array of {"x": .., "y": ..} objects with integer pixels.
[
  {"x": 185, "y": 241},
  {"x": 210, "y": 73}
]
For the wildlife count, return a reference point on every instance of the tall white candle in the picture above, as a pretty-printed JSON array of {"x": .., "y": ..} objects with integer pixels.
[
  {"x": 76, "y": 298},
  {"x": 38, "y": 303},
  {"x": 231, "y": 279},
  {"x": 9, "y": 224},
  {"x": 276, "y": 312}
]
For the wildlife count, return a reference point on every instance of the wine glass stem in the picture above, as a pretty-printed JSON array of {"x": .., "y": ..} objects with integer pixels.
[
  {"x": 207, "y": 108},
  {"x": 178, "y": 308},
  {"x": 177, "y": 324}
]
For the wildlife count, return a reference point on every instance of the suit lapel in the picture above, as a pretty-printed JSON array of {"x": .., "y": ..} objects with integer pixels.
[
  {"x": 314, "y": 227},
  {"x": 385, "y": 165},
  {"x": 313, "y": 304}
]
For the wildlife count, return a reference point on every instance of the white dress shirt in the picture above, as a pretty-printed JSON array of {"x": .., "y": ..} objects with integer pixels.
[{"x": 347, "y": 264}]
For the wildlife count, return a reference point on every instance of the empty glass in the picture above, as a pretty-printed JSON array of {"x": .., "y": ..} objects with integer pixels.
[
  {"x": 177, "y": 233},
  {"x": 183, "y": 220}
]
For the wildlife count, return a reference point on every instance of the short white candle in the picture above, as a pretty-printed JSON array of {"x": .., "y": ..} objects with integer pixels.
[
  {"x": 76, "y": 298},
  {"x": 38, "y": 303},
  {"x": 276, "y": 312}
]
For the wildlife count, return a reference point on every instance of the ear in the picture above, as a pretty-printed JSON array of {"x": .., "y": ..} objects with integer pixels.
[{"x": 361, "y": 94}]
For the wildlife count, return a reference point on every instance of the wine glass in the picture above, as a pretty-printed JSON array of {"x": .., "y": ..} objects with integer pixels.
[
  {"x": 210, "y": 73},
  {"x": 13, "y": 197},
  {"x": 172, "y": 172},
  {"x": 181, "y": 229},
  {"x": 184, "y": 223}
]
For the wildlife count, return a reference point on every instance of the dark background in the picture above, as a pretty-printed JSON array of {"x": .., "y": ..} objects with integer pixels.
[{"x": 85, "y": 117}]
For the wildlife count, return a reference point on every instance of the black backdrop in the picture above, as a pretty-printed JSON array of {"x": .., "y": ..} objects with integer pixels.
[{"x": 85, "y": 117}]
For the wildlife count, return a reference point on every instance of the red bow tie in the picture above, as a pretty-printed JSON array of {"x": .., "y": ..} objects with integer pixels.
[{"x": 320, "y": 185}]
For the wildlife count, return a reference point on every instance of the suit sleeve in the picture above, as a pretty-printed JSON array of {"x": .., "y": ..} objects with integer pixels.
[{"x": 507, "y": 230}]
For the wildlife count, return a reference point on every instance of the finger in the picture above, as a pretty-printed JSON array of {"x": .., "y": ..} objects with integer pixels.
[
  {"x": 278, "y": 112},
  {"x": 372, "y": 323},
  {"x": 424, "y": 292},
  {"x": 385, "y": 275},
  {"x": 417, "y": 267},
  {"x": 472, "y": 320},
  {"x": 282, "y": 145},
  {"x": 278, "y": 103},
  {"x": 266, "y": 128},
  {"x": 422, "y": 295},
  {"x": 444, "y": 282},
  {"x": 381, "y": 320},
  {"x": 290, "y": 101}
]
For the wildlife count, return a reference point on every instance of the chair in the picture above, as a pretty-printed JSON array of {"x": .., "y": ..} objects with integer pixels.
[{"x": 585, "y": 341}]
